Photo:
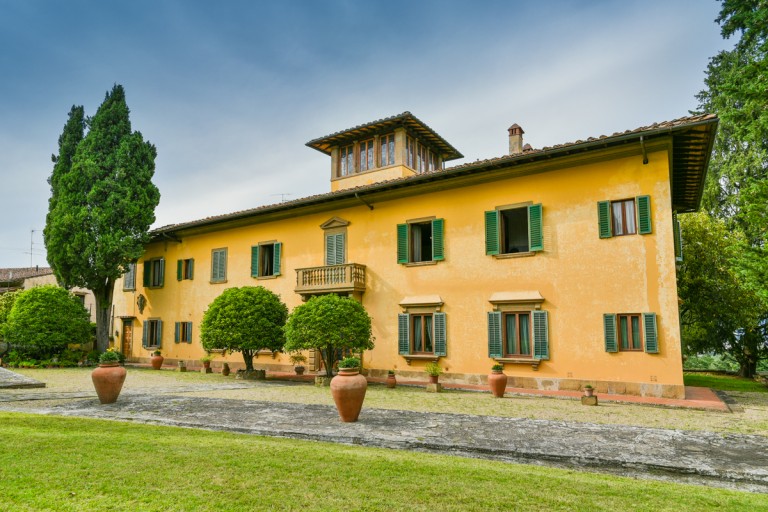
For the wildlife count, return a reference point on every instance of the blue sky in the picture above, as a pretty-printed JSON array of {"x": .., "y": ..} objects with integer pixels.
[{"x": 229, "y": 92}]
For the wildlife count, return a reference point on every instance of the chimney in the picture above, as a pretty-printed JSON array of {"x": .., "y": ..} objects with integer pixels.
[{"x": 515, "y": 139}]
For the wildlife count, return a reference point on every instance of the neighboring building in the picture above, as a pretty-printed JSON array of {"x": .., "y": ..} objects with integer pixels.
[
  {"x": 12, "y": 279},
  {"x": 558, "y": 263}
]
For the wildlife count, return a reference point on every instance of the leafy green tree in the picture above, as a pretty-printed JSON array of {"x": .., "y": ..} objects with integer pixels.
[
  {"x": 6, "y": 303},
  {"x": 330, "y": 324},
  {"x": 720, "y": 311},
  {"x": 245, "y": 320},
  {"x": 102, "y": 203},
  {"x": 45, "y": 319},
  {"x": 736, "y": 190}
]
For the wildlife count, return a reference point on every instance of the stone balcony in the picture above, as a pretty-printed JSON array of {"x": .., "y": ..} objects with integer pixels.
[{"x": 345, "y": 279}]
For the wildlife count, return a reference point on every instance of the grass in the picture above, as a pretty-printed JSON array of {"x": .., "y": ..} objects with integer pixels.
[
  {"x": 70, "y": 464},
  {"x": 754, "y": 419},
  {"x": 724, "y": 382}
]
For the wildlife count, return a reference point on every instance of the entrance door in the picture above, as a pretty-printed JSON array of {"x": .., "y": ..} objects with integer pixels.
[{"x": 127, "y": 336}]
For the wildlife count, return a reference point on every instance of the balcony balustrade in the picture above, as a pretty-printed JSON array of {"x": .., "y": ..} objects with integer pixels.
[{"x": 341, "y": 279}]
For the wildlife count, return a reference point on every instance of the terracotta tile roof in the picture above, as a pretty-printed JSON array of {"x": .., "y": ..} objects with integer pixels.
[
  {"x": 12, "y": 276},
  {"x": 693, "y": 137}
]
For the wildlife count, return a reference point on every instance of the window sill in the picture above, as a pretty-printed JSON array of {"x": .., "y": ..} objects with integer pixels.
[
  {"x": 514, "y": 255},
  {"x": 273, "y": 276},
  {"x": 519, "y": 360},
  {"x": 218, "y": 282},
  {"x": 420, "y": 263},
  {"x": 420, "y": 357}
]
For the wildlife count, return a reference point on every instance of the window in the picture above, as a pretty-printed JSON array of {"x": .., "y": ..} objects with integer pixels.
[
  {"x": 334, "y": 248},
  {"x": 265, "y": 259},
  {"x": 422, "y": 333},
  {"x": 518, "y": 334},
  {"x": 387, "y": 144},
  {"x": 152, "y": 335},
  {"x": 626, "y": 332},
  {"x": 129, "y": 278},
  {"x": 346, "y": 160},
  {"x": 514, "y": 230},
  {"x": 183, "y": 332},
  {"x": 410, "y": 152},
  {"x": 420, "y": 241},
  {"x": 185, "y": 269},
  {"x": 624, "y": 217},
  {"x": 366, "y": 155},
  {"x": 218, "y": 265},
  {"x": 154, "y": 270}
]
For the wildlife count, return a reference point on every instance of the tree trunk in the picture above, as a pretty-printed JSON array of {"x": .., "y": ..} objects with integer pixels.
[
  {"x": 747, "y": 368},
  {"x": 328, "y": 354},
  {"x": 248, "y": 359},
  {"x": 103, "y": 308}
]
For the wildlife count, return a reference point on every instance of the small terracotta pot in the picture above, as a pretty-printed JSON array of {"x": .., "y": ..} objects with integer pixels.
[
  {"x": 433, "y": 379},
  {"x": 206, "y": 364},
  {"x": 108, "y": 380},
  {"x": 497, "y": 382},
  {"x": 348, "y": 391},
  {"x": 157, "y": 362},
  {"x": 391, "y": 381},
  {"x": 225, "y": 370},
  {"x": 589, "y": 391},
  {"x": 299, "y": 370}
]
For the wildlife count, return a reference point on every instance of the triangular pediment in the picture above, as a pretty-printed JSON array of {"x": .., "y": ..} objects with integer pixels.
[{"x": 334, "y": 222}]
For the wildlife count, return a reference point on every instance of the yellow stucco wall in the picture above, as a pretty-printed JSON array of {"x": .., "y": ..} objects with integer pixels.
[{"x": 580, "y": 276}]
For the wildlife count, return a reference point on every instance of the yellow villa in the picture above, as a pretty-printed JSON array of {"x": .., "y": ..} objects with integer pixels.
[{"x": 558, "y": 263}]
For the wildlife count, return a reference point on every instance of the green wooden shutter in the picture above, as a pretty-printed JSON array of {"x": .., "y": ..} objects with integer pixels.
[
  {"x": 145, "y": 328},
  {"x": 677, "y": 237},
  {"x": 255, "y": 261},
  {"x": 276, "y": 251},
  {"x": 604, "y": 218},
  {"x": 494, "y": 334},
  {"x": 340, "y": 239},
  {"x": 179, "y": 269},
  {"x": 147, "y": 273},
  {"x": 404, "y": 333},
  {"x": 189, "y": 333},
  {"x": 438, "y": 239},
  {"x": 191, "y": 268},
  {"x": 651, "y": 338},
  {"x": 609, "y": 330},
  {"x": 440, "y": 334},
  {"x": 492, "y": 232},
  {"x": 644, "y": 215},
  {"x": 535, "y": 231},
  {"x": 540, "y": 335},
  {"x": 159, "y": 333},
  {"x": 161, "y": 280},
  {"x": 402, "y": 243},
  {"x": 330, "y": 250},
  {"x": 176, "y": 336}
]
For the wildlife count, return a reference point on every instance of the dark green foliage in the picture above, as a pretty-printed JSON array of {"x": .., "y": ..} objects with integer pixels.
[
  {"x": 245, "y": 320},
  {"x": 330, "y": 324},
  {"x": 736, "y": 190},
  {"x": 44, "y": 320},
  {"x": 6, "y": 304},
  {"x": 102, "y": 202}
]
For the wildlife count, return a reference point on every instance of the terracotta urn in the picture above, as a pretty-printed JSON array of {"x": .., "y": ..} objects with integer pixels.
[
  {"x": 206, "y": 364},
  {"x": 433, "y": 379},
  {"x": 391, "y": 380},
  {"x": 497, "y": 382},
  {"x": 589, "y": 391},
  {"x": 348, "y": 391},
  {"x": 157, "y": 362},
  {"x": 225, "y": 369},
  {"x": 108, "y": 380}
]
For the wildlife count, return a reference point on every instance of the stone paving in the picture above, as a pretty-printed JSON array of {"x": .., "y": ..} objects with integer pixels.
[
  {"x": 12, "y": 380},
  {"x": 732, "y": 461}
]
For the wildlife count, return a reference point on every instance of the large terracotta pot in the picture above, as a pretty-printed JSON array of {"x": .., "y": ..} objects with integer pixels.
[
  {"x": 348, "y": 390},
  {"x": 157, "y": 362},
  {"x": 108, "y": 380},
  {"x": 497, "y": 381},
  {"x": 391, "y": 381}
]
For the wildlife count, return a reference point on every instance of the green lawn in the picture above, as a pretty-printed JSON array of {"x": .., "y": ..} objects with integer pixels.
[
  {"x": 724, "y": 382},
  {"x": 62, "y": 464}
]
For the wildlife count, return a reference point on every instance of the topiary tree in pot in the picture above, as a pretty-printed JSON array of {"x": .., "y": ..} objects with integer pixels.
[
  {"x": 245, "y": 320},
  {"x": 330, "y": 324}
]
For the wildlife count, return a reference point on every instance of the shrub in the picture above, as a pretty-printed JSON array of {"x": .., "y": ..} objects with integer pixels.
[
  {"x": 110, "y": 356},
  {"x": 433, "y": 369},
  {"x": 330, "y": 324},
  {"x": 245, "y": 320},
  {"x": 349, "y": 362},
  {"x": 45, "y": 319}
]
